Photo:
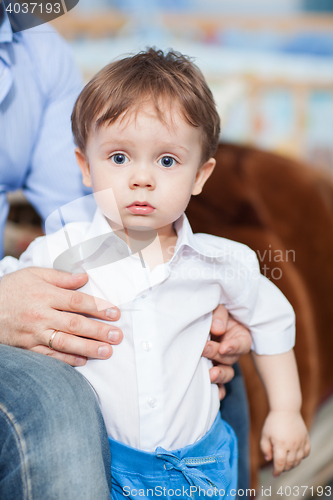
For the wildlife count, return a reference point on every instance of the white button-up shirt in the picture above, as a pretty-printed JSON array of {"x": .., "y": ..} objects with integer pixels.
[{"x": 155, "y": 390}]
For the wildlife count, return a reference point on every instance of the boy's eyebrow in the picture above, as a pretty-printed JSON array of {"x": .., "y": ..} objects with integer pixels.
[
  {"x": 171, "y": 146},
  {"x": 126, "y": 142},
  {"x": 116, "y": 141}
]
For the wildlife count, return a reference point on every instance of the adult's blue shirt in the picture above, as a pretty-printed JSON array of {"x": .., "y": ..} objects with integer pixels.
[{"x": 39, "y": 83}]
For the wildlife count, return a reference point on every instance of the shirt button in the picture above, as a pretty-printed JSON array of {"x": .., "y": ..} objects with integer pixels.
[
  {"x": 152, "y": 402},
  {"x": 147, "y": 345}
]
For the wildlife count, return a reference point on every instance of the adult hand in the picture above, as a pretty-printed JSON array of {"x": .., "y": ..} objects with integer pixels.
[
  {"x": 224, "y": 352},
  {"x": 34, "y": 302}
]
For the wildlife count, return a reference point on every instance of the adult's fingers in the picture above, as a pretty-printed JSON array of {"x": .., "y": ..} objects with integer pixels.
[
  {"x": 66, "y": 358},
  {"x": 212, "y": 351},
  {"x": 215, "y": 375},
  {"x": 79, "y": 302},
  {"x": 219, "y": 320},
  {"x": 32, "y": 308},
  {"x": 222, "y": 391},
  {"x": 78, "y": 346},
  {"x": 77, "y": 324},
  {"x": 221, "y": 374},
  {"x": 59, "y": 278},
  {"x": 236, "y": 341},
  {"x": 65, "y": 298}
]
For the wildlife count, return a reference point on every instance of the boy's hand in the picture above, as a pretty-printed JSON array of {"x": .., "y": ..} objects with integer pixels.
[
  {"x": 226, "y": 350},
  {"x": 32, "y": 305},
  {"x": 285, "y": 439}
]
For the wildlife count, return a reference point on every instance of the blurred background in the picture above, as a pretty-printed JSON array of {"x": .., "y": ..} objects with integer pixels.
[{"x": 270, "y": 66}]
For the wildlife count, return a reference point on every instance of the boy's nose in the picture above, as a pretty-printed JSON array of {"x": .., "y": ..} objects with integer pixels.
[{"x": 142, "y": 177}]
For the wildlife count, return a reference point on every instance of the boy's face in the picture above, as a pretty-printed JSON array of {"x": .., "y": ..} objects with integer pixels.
[{"x": 152, "y": 167}]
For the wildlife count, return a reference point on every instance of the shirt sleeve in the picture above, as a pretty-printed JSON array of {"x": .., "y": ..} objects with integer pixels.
[
  {"x": 8, "y": 265},
  {"x": 54, "y": 179},
  {"x": 36, "y": 255},
  {"x": 262, "y": 307}
]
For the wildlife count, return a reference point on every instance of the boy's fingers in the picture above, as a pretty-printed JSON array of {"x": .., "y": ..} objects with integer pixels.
[
  {"x": 279, "y": 460},
  {"x": 266, "y": 448},
  {"x": 290, "y": 460},
  {"x": 299, "y": 456},
  {"x": 307, "y": 447},
  {"x": 303, "y": 452}
]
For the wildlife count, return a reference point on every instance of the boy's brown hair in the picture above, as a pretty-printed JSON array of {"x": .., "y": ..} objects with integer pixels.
[{"x": 124, "y": 85}]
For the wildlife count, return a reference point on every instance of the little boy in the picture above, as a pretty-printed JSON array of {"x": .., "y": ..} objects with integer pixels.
[{"x": 146, "y": 128}]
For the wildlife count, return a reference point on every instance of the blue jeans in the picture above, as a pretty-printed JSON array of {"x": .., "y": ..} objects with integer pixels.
[
  {"x": 234, "y": 410},
  {"x": 205, "y": 468},
  {"x": 53, "y": 442}
]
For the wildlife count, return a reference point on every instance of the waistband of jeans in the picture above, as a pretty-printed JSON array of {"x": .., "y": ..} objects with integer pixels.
[{"x": 127, "y": 458}]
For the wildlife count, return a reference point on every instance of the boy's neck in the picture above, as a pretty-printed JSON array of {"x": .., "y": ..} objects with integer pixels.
[{"x": 166, "y": 241}]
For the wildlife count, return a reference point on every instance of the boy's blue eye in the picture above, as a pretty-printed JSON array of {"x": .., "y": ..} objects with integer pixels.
[
  {"x": 167, "y": 161},
  {"x": 119, "y": 159}
]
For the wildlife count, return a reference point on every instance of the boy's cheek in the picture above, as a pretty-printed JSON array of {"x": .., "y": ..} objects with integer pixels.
[{"x": 107, "y": 203}]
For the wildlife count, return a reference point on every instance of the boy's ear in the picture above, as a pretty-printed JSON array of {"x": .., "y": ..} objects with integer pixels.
[
  {"x": 203, "y": 174},
  {"x": 84, "y": 166}
]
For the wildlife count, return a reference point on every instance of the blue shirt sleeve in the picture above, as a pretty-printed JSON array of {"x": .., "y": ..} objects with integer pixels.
[{"x": 54, "y": 179}]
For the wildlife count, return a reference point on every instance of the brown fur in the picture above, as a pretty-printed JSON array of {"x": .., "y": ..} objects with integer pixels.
[{"x": 273, "y": 203}]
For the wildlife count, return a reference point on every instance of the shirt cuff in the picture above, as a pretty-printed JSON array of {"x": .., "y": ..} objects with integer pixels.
[
  {"x": 273, "y": 343},
  {"x": 8, "y": 265}
]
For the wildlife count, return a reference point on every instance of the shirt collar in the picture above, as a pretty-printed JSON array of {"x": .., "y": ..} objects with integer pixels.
[
  {"x": 6, "y": 32},
  {"x": 101, "y": 233},
  {"x": 182, "y": 226},
  {"x": 185, "y": 238},
  {"x": 6, "y": 37},
  {"x": 184, "y": 232}
]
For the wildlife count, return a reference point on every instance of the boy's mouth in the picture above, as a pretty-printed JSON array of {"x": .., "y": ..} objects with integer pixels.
[{"x": 141, "y": 208}]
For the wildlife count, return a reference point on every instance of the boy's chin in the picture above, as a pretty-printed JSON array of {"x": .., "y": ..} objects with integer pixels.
[{"x": 135, "y": 223}]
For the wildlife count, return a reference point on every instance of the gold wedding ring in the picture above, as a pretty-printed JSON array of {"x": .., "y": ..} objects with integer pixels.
[{"x": 52, "y": 338}]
